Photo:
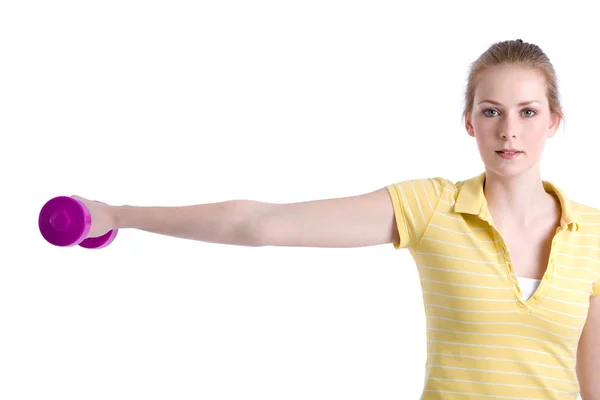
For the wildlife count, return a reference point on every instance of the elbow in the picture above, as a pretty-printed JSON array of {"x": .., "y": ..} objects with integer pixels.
[{"x": 251, "y": 228}]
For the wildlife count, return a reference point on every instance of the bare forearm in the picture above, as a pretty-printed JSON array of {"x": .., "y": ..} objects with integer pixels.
[{"x": 236, "y": 222}]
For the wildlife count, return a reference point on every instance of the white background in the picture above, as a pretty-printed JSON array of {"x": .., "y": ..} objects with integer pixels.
[{"x": 173, "y": 103}]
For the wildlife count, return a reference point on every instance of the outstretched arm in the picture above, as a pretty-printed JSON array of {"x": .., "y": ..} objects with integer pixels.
[{"x": 356, "y": 221}]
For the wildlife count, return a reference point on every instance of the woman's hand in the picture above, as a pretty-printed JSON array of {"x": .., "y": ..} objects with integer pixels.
[{"x": 104, "y": 216}]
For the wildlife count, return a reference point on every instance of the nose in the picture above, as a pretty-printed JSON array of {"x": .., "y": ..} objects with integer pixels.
[{"x": 508, "y": 128}]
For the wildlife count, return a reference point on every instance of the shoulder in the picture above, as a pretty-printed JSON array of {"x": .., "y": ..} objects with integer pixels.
[
  {"x": 583, "y": 242},
  {"x": 587, "y": 217},
  {"x": 435, "y": 187},
  {"x": 584, "y": 209},
  {"x": 438, "y": 184},
  {"x": 432, "y": 190}
]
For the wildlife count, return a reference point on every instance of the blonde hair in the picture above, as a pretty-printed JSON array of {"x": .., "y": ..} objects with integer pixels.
[{"x": 517, "y": 53}]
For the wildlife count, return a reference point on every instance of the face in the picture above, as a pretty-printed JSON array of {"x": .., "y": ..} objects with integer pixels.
[{"x": 511, "y": 112}]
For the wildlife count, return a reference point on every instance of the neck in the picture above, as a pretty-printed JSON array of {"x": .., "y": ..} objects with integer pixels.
[{"x": 520, "y": 199}]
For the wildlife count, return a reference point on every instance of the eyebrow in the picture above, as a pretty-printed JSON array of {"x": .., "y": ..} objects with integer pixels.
[{"x": 524, "y": 103}]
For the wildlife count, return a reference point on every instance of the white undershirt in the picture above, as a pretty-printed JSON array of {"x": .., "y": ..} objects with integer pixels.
[{"x": 528, "y": 286}]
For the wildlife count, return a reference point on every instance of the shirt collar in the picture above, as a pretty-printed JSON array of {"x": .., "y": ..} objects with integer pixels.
[{"x": 471, "y": 200}]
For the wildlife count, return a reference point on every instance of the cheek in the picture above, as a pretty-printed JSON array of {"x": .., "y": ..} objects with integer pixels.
[
  {"x": 537, "y": 142},
  {"x": 534, "y": 143},
  {"x": 485, "y": 143},
  {"x": 485, "y": 126},
  {"x": 536, "y": 134},
  {"x": 485, "y": 131},
  {"x": 480, "y": 123}
]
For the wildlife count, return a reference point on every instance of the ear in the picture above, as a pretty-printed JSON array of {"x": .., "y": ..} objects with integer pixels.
[
  {"x": 469, "y": 125},
  {"x": 554, "y": 124}
]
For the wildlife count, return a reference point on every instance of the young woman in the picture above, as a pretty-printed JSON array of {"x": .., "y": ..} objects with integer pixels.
[{"x": 509, "y": 266}]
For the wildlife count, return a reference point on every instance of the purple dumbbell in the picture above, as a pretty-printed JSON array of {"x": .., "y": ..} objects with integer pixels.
[{"x": 65, "y": 221}]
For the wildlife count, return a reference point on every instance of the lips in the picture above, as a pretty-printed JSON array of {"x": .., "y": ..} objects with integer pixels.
[
  {"x": 509, "y": 154},
  {"x": 511, "y": 151}
]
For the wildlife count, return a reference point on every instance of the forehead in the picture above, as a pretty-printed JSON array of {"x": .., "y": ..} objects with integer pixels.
[{"x": 511, "y": 84}]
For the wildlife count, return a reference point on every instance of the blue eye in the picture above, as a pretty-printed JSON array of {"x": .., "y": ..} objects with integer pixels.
[{"x": 489, "y": 112}]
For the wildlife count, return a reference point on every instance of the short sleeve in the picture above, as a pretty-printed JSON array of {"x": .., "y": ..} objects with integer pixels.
[
  {"x": 414, "y": 203},
  {"x": 596, "y": 289}
]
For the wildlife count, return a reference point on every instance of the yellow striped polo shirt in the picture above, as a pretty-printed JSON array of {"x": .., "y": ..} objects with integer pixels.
[{"x": 484, "y": 339}]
